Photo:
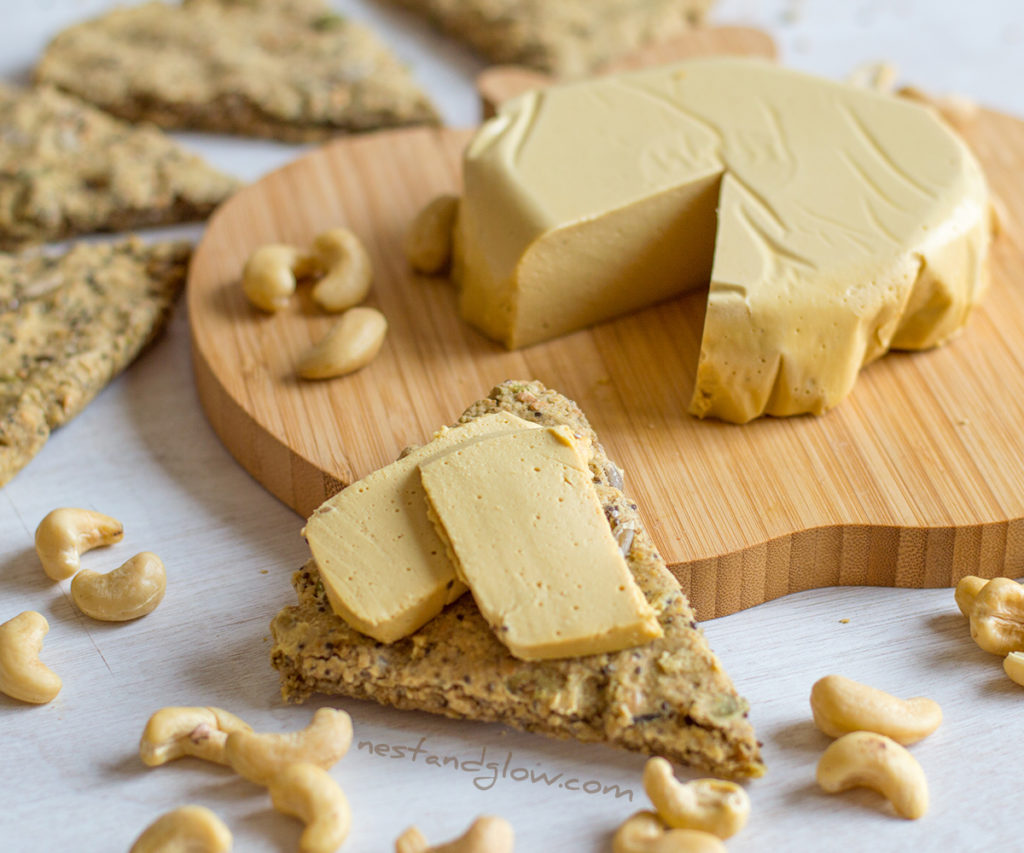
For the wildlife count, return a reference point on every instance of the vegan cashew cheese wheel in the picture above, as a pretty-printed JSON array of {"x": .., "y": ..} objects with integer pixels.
[{"x": 833, "y": 223}]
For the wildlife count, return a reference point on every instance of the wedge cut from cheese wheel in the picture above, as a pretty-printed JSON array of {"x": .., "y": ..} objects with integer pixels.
[
  {"x": 848, "y": 222},
  {"x": 531, "y": 541},
  {"x": 384, "y": 569}
]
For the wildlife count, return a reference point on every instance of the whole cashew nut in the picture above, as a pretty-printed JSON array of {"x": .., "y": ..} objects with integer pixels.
[
  {"x": 645, "y": 833},
  {"x": 269, "y": 276},
  {"x": 966, "y": 591},
  {"x": 348, "y": 271},
  {"x": 189, "y": 829},
  {"x": 709, "y": 805},
  {"x": 870, "y": 760},
  {"x": 352, "y": 343},
  {"x": 130, "y": 591},
  {"x": 309, "y": 793},
  {"x": 486, "y": 834},
  {"x": 22, "y": 675},
  {"x": 1013, "y": 666},
  {"x": 175, "y": 732},
  {"x": 841, "y": 705},
  {"x": 259, "y": 757},
  {"x": 997, "y": 617},
  {"x": 428, "y": 242},
  {"x": 67, "y": 533}
]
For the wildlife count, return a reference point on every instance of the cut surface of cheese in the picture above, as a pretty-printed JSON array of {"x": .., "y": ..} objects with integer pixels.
[
  {"x": 531, "y": 541},
  {"x": 833, "y": 223},
  {"x": 384, "y": 569}
]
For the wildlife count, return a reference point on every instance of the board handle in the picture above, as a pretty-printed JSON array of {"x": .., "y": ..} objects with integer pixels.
[{"x": 499, "y": 83}]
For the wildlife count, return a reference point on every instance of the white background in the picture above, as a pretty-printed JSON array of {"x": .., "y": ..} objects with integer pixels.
[{"x": 70, "y": 778}]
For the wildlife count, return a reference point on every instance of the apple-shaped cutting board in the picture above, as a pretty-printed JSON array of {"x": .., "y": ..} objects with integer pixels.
[{"x": 916, "y": 479}]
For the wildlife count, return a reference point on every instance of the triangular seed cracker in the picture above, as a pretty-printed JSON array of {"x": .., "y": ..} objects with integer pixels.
[
  {"x": 68, "y": 325},
  {"x": 670, "y": 697},
  {"x": 563, "y": 37},
  {"x": 67, "y": 168},
  {"x": 291, "y": 69}
]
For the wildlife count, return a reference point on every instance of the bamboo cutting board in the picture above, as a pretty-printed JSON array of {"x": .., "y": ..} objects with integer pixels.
[{"x": 916, "y": 479}]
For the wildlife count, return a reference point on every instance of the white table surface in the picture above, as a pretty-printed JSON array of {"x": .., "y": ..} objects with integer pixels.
[{"x": 70, "y": 777}]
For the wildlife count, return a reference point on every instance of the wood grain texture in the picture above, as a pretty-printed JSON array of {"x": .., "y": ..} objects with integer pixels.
[{"x": 915, "y": 480}]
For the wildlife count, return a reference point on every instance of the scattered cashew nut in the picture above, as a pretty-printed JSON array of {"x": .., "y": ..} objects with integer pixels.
[
  {"x": 967, "y": 590},
  {"x": 22, "y": 675},
  {"x": 67, "y": 533},
  {"x": 269, "y": 276},
  {"x": 352, "y": 343},
  {"x": 709, "y": 805},
  {"x": 645, "y": 833},
  {"x": 178, "y": 731},
  {"x": 308, "y": 792},
  {"x": 1013, "y": 666},
  {"x": 189, "y": 829},
  {"x": 428, "y": 242},
  {"x": 870, "y": 760},
  {"x": 841, "y": 705},
  {"x": 259, "y": 757},
  {"x": 130, "y": 591},
  {"x": 348, "y": 271},
  {"x": 877, "y": 76},
  {"x": 997, "y": 617},
  {"x": 485, "y": 835}
]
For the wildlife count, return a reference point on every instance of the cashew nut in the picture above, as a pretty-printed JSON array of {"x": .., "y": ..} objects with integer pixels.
[
  {"x": 130, "y": 591},
  {"x": 308, "y": 792},
  {"x": 841, "y": 705},
  {"x": 966, "y": 591},
  {"x": 259, "y": 757},
  {"x": 645, "y": 833},
  {"x": 269, "y": 276},
  {"x": 428, "y": 243},
  {"x": 870, "y": 760},
  {"x": 348, "y": 271},
  {"x": 997, "y": 617},
  {"x": 22, "y": 675},
  {"x": 67, "y": 533},
  {"x": 178, "y": 731},
  {"x": 709, "y": 805},
  {"x": 352, "y": 343},
  {"x": 1013, "y": 665},
  {"x": 189, "y": 829},
  {"x": 485, "y": 835}
]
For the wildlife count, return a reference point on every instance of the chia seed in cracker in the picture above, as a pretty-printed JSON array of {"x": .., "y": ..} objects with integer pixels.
[{"x": 290, "y": 70}]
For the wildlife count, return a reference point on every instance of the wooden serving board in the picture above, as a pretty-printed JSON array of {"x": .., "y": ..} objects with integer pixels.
[{"x": 916, "y": 479}]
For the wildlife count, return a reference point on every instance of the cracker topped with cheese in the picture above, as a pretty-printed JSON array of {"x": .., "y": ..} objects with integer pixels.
[
  {"x": 615, "y": 654},
  {"x": 831, "y": 222}
]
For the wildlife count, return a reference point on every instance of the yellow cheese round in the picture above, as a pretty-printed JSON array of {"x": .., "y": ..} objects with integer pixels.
[{"x": 833, "y": 223}]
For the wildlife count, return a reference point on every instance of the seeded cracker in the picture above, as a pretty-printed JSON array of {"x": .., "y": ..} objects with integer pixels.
[
  {"x": 564, "y": 37},
  {"x": 67, "y": 168},
  {"x": 290, "y": 70},
  {"x": 670, "y": 697},
  {"x": 68, "y": 325}
]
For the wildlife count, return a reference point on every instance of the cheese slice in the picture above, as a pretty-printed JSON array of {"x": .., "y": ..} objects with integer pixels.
[
  {"x": 531, "y": 541},
  {"x": 384, "y": 569},
  {"x": 848, "y": 222}
]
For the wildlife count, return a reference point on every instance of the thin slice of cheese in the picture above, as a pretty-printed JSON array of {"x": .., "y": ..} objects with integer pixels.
[
  {"x": 384, "y": 568},
  {"x": 530, "y": 539},
  {"x": 848, "y": 222}
]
